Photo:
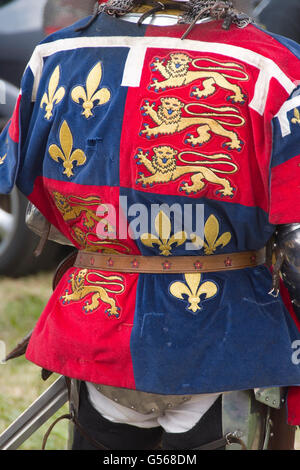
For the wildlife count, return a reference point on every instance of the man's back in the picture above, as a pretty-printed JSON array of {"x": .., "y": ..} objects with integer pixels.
[{"x": 130, "y": 136}]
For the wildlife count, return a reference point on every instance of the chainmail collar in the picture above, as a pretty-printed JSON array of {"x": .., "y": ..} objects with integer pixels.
[
  {"x": 118, "y": 7},
  {"x": 193, "y": 11},
  {"x": 217, "y": 10}
]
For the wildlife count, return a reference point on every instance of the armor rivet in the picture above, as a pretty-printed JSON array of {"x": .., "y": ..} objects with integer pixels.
[
  {"x": 98, "y": 388},
  {"x": 258, "y": 394},
  {"x": 274, "y": 402},
  {"x": 170, "y": 405},
  {"x": 115, "y": 399},
  {"x": 153, "y": 409},
  {"x": 132, "y": 407},
  {"x": 267, "y": 398}
]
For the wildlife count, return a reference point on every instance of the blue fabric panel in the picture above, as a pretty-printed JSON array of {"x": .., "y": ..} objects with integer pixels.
[
  {"x": 234, "y": 218},
  {"x": 240, "y": 337},
  {"x": 97, "y": 136}
]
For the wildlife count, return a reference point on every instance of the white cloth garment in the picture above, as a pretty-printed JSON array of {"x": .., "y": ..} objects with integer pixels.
[{"x": 177, "y": 419}]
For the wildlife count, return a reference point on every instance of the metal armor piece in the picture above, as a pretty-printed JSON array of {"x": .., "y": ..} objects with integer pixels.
[
  {"x": 40, "y": 226},
  {"x": 288, "y": 245},
  {"x": 142, "y": 402},
  {"x": 273, "y": 397},
  {"x": 247, "y": 419}
]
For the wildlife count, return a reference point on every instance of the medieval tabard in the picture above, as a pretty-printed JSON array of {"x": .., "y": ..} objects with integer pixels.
[{"x": 119, "y": 131}]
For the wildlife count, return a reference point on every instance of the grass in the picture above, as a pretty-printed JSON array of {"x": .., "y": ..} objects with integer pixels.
[{"x": 22, "y": 301}]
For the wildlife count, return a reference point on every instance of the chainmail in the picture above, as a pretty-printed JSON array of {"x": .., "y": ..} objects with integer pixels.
[
  {"x": 194, "y": 10},
  {"x": 215, "y": 9},
  {"x": 118, "y": 7}
]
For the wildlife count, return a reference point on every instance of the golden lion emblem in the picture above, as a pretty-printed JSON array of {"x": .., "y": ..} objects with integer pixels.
[
  {"x": 176, "y": 73},
  {"x": 169, "y": 120},
  {"x": 164, "y": 168},
  {"x": 81, "y": 211},
  {"x": 81, "y": 287},
  {"x": 70, "y": 211}
]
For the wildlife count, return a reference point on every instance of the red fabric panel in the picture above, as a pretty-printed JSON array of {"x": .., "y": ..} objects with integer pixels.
[
  {"x": 246, "y": 176},
  {"x": 284, "y": 206},
  {"x": 92, "y": 346},
  {"x": 14, "y": 128}
]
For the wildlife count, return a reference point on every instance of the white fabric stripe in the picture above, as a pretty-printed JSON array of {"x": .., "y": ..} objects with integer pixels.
[
  {"x": 285, "y": 125},
  {"x": 261, "y": 91},
  {"x": 138, "y": 46},
  {"x": 134, "y": 66}
]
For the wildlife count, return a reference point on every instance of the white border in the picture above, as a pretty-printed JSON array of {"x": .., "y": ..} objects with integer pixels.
[{"x": 137, "y": 49}]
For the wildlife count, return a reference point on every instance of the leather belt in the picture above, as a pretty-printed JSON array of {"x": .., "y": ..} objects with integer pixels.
[{"x": 172, "y": 264}]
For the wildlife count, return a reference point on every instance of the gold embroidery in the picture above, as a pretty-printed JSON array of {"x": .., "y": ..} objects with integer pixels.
[
  {"x": 296, "y": 118},
  {"x": 55, "y": 94},
  {"x": 81, "y": 210},
  {"x": 164, "y": 239},
  {"x": 102, "y": 246},
  {"x": 79, "y": 290},
  {"x": 211, "y": 234},
  {"x": 89, "y": 96},
  {"x": 2, "y": 159},
  {"x": 164, "y": 168},
  {"x": 169, "y": 120},
  {"x": 76, "y": 208},
  {"x": 193, "y": 289},
  {"x": 66, "y": 154},
  {"x": 176, "y": 73}
]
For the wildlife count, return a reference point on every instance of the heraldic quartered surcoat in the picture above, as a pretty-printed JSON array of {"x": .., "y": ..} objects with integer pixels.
[{"x": 119, "y": 119}]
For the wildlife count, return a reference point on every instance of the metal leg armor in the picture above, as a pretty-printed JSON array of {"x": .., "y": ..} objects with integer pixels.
[{"x": 258, "y": 419}]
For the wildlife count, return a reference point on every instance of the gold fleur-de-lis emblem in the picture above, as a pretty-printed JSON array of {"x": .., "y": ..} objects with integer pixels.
[
  {"x": 296, "y": 118},
  {"x": 193, "y": 289},
  {"x": 2, "y": 159},
  {"x": 66, "y": 152},
  {"x": 54, "y": 94},
  {"x": 211, "y": 235},
  {"x": 89, "y": 96},
  {"x": 164, "y": 240}
]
